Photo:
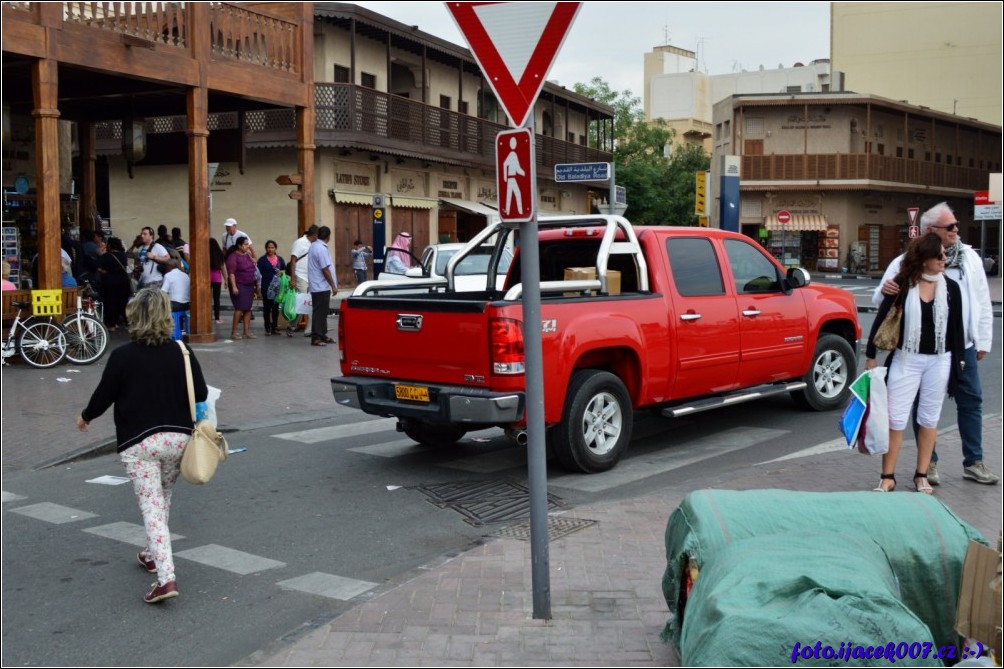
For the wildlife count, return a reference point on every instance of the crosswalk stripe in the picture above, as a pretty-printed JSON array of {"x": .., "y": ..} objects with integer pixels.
[
  {"x": 838, "y": 444},
  {"x": 11, "y": 497},
  {"x": 127, "y": 533},
  {"x": 676, "y": 457},
  {"x": 331, "y": 432},
  {"x": 327, "y": 585},
  {"x": 389, "y": 449},
  {"x": 53, "y": 513},
  {"x": 228, "y": 559}
]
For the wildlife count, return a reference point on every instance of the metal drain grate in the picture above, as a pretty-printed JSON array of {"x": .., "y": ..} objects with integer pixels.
[
  {"x": 483, "y": 502},
  {"x": 557, "y": 527}
]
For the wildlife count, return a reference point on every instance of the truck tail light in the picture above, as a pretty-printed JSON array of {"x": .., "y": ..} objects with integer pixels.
[
  {"x": 341, "y": 336},
  {"x": 507, "y": 346}
]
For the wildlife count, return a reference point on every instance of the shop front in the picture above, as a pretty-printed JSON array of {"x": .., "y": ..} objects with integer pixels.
[{"x": 804, "y": 240}]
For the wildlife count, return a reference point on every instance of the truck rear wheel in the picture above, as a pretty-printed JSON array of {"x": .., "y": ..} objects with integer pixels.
[
  {"x": 828, "y": 381},
  {"x": 429, "y": 434},
  {"x": 596, "y": 424}
]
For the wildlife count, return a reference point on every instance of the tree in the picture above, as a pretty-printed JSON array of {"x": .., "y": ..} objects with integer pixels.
[{"x": 660, "y": 187}]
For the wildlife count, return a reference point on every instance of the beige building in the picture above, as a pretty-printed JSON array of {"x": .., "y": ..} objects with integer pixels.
[
  {"x": 942, "y": 55},
  {"x": 399, "y": 113},
  {"x": 843, "y": 170},
  {"x": 679, "y": 93}
]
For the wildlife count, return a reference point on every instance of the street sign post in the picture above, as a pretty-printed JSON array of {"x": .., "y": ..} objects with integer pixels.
[
  {"x": 784, "y": 217},
  {"x": 515, "y": 44},
  {"x": 515, "y": 171}
]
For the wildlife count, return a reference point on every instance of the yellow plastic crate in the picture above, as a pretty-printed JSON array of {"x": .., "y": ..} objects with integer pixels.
[{"x": 47, "y": 302}]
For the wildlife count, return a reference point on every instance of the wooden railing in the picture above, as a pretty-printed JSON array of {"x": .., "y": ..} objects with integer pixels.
[
  {"x": 236, "y": 32},
  {"x": 839, "y": 166}
]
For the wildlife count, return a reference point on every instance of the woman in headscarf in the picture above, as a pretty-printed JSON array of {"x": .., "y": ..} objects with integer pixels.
[
  {"x": 929, "y": 355},
  {"x": 398, "y": 262}
]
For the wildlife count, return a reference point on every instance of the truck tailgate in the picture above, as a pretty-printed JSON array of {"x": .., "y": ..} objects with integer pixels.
[{"x": 433, "y": 341}]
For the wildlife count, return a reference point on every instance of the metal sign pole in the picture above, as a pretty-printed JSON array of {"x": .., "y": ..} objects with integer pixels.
[{"x": 536, "y": 448}]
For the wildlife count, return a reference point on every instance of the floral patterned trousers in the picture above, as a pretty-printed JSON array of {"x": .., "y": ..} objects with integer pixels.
[{"x": 154, "y": 465}]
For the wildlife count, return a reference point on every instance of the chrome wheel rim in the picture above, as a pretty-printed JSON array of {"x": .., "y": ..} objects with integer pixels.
[{"x": 602, "y": 423}]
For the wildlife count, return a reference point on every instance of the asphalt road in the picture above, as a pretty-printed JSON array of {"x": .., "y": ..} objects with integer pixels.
[{"x": 312, "y": 517}]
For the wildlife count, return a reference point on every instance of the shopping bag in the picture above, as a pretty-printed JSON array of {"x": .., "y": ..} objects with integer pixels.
[
  {"x": 876, "y": 437},
  {"x": 288, "y": 306},
  {"x": 865, "y": 421},
  {"x": 304, "y": 305}
]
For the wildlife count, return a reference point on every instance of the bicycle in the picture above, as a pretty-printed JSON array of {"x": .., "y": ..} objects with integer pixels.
[
  {"x": 86, "y": 335},
  {"x": 41, "y": 343}
]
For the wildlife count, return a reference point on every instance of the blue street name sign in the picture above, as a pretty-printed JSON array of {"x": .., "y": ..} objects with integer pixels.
[
  {"x": 582, "y": 172},
  {"x": 621, "y": 197}
]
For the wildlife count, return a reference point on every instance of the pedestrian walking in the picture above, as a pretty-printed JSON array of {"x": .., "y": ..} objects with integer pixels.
[
  {"x": 146, "y": 381},
  {"x": 928, "y": 359},
  {"x": 962, "y": 265},
  {"x": 322, "y": 284},
  {"x": 217, "y": 274}
]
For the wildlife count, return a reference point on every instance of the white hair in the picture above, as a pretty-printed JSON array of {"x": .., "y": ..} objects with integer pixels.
[{"x": 933, "y": 215}]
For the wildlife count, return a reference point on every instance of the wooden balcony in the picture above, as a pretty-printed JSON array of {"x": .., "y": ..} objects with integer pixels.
[
  {"x": 861, "y": 167},
  {"x": 252, "y": 49},
  {"x": 361, "y": 118}
]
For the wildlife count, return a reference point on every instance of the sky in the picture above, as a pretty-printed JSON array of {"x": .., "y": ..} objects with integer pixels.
[{"x": 609, "y": 39}]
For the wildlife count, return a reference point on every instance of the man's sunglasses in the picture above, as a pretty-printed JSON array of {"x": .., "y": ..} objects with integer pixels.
[{"x": 949, "y": 227}]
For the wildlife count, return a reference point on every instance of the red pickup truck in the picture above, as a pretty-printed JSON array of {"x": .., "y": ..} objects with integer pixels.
[{"x": 678, "y": 319}]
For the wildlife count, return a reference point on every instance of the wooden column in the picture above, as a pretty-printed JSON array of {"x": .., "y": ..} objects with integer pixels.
[
  {"x": 197, "y": 107},
  {"x": 88, "y": 179},
  {"x": 306, "y": 125},
  {"x": 45, "y": 90}
]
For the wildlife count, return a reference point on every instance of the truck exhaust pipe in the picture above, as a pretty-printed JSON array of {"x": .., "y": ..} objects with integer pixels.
[{"x": 517, "y": 436}]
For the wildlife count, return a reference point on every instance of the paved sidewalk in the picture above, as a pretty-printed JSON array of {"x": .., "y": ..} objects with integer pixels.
[{"x": 473, "y": 609}]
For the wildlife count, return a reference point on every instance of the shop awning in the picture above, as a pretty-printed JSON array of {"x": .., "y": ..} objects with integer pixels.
[
  {"x": 414, "y": 202},
  {"x": 342, "y": 197},
  {"x": 798, "y": 223},
  {"x": 470, "y": 207}
]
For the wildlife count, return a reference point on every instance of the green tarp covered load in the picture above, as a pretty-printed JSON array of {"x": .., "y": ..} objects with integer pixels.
[
  {"x": 925, "y": 543},
  {"x": 767, "y": 601}
]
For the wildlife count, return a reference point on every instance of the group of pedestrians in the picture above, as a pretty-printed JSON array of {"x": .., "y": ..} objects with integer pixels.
[{"x": 940, "y": 288}]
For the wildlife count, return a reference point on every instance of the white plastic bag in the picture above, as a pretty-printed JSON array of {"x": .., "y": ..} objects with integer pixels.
[
  {"x": 876, "y": 440},
  {"x": 304, "y": 304},
  {"x": 207, "y": 410}
]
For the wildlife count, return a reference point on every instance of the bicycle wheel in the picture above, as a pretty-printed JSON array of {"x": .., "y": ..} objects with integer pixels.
[
  {"x": 42, "y": 344},
  {"x": 86, "y": 338}
]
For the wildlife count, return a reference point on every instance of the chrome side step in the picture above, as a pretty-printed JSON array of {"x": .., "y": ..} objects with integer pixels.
[{"x": 745, "y": 395}]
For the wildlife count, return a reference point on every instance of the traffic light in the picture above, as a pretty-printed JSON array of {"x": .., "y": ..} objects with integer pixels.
[{"x": 701, "y": 194}]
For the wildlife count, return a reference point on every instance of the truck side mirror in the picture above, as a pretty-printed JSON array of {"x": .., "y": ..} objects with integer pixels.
[{"x": 798, "y": 277}]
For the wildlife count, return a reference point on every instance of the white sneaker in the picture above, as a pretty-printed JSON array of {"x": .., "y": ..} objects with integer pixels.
[{"x": 978, "y": 472}]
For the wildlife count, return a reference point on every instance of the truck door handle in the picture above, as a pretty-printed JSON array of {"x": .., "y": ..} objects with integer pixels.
[
  {"x": 689, "y": 317},
  {"x": 750, "y": 313}
]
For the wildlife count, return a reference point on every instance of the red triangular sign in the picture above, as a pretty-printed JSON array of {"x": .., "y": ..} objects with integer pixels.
[{"x": 515, "y": 44}]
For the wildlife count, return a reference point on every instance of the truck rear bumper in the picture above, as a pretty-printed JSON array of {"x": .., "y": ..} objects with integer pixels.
[{"x": 447, "y": 404}]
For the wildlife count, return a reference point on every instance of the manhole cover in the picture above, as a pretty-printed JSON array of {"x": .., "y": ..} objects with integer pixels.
[
  {"x": 557, "y": 527},
  {"x": 483, "y": 502}
]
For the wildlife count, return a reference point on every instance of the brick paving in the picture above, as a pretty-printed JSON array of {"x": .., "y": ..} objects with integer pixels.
[{"x": 475, "y": 609}]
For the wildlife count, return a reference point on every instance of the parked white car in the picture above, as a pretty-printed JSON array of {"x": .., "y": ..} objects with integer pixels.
[{"x": 470, "y": 275}]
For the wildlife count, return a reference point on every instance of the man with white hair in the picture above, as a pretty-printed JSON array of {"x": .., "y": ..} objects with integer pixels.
[
  {"x": 232, "y": 234},
  {"x": 964, "y": 266}
]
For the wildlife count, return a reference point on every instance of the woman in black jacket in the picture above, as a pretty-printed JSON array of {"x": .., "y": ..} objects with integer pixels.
[
  {"x": 146, "y": 382},
  {"x": 928, "y": 357},
  {"x": 115, "y": 284}
]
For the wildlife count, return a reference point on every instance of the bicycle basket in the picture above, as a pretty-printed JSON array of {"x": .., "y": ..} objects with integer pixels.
[{"x": 47, "y": 302}]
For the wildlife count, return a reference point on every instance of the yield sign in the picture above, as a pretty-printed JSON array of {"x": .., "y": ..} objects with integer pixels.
[
  {"x": 912, "y": 213},
  {"x": 515, "y": 44}
]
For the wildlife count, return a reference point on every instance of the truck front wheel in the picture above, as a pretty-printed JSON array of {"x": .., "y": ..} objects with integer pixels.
[
  {"x": 596, "y": 424},
  {"x": 428, "y": 434},
  {"x": 828, "y": 381}
]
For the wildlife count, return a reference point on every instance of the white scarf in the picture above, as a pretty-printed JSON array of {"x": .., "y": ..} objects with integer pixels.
[{"x": 912, "y": 317}]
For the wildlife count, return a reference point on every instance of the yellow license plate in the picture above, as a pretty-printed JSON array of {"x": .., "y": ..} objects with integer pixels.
[{"x": 411, "y": 393}]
